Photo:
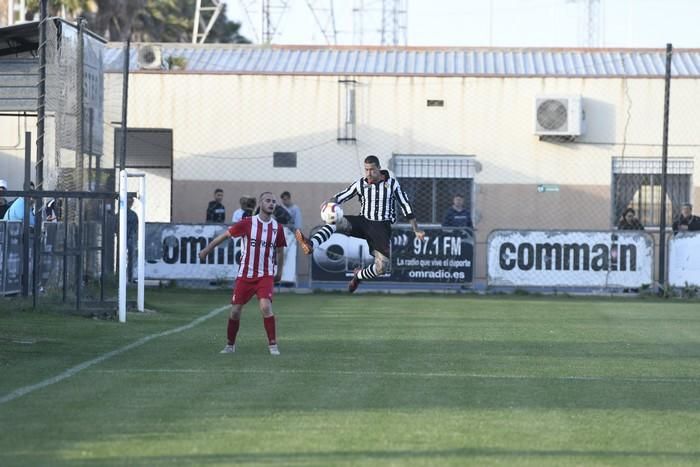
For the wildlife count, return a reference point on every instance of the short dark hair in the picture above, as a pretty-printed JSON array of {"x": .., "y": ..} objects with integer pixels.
[
  {"x": 218, "y": 190},
  {"x": 688, "y": 205},
  {"x": 372, "y": 159},
  {"x": 627, "y": 211},
  {"x": 286, "y": 194},
  {"x": 458, "y": 195}
]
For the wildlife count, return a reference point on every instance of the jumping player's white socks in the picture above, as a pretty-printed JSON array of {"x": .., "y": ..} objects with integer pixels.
[
  {"x": 323, "y": 234},
  {"x": 369, "y": 272}
]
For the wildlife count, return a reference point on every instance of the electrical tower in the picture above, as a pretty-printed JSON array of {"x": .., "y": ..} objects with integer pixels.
[
  {"x": 323, "y": 12},
  {"x": 382, "y": 22},
  {"x": 263, "y": 17},
  {"x": 376, "y": 22},
  {"x": 211, "y": 9},
  {"x": 590, "y": 20}
]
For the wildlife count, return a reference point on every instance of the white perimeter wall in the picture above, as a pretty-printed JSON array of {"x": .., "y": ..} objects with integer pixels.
[{"x": 227, "y": 126}]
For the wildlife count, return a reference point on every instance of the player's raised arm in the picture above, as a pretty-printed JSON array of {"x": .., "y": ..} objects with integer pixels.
[
  {"x": 225, "y": 235},
  {"x": 348, "y": 193}
]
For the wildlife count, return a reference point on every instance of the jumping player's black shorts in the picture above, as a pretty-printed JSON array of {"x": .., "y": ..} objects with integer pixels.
[{"x": 377, "y": 233}]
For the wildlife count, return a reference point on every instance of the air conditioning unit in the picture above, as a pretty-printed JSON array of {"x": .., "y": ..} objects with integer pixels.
[
  {"x": 150, "y": 57},
  {"x": 559, "y": 116}
]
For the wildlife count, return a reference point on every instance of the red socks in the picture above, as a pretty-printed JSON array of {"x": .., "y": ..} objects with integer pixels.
[
  {"x": 232, "y": 330},
  {"x": 269, "y": 323}
]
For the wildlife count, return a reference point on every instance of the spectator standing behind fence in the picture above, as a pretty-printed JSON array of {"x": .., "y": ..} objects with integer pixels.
[
  {"x": 4, "y": 205},
  {"x": 15, "y": 212},
  {"x": 686, "y": 221},
  {"x": 282, "y": 216},
  {"x": 457, "y": 215},
  {"x": 629, "y": 221},
  {"x": 216, "y": 212},
  {"x": 292, "y": 209},
  {"x": 52, "y": 211},
  {"x": 132, "y": 229},
  {"x": 246, "y": 210}
]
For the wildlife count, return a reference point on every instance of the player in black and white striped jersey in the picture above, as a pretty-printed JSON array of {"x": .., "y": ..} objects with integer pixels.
[{"x": 378, "y": 193}]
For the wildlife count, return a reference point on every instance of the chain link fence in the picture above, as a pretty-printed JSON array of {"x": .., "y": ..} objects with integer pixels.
[
  {"x": 483, "y": 141},
  {"x": 70, "y": 242}
]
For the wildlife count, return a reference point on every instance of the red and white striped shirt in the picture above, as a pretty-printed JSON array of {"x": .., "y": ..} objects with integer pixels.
[{"x": 260, "y": 239}]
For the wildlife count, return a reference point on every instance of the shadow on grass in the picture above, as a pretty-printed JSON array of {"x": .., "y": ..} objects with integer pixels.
[{"x": 327, "y": 458}]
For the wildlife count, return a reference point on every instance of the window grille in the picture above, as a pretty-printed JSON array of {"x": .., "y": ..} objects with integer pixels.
[
  {"x": 637, "y": 185},
  {"x": 431, "y": 181}
]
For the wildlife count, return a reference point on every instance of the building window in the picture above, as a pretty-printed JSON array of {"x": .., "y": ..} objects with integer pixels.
[
  {"x": 435, "y": 103},
  {"x": 145, "y": 147},
  {"x": 347, "y": 111},
  {"x": 637, "y": 185},
  {"x": 284, "y": 159},
  {"x": 431, "y": 182}
]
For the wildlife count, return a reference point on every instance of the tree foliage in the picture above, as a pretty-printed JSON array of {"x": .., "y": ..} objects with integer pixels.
[{"x": 146, "y": 20}]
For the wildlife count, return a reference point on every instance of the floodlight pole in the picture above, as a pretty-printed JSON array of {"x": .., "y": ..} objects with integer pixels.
[
  {"x": 41, "y": 104},
  {"x": 121, "y": 245},
  {"x": 80, "y": 117},
  {"x": 125, "y": 103},
  {"x": 664, "y": 171}
]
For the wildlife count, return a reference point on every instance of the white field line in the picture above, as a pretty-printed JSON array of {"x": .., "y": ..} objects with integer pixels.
[
  {"x": 630, "y": 379},
  {"x": 78, "y": 368}
]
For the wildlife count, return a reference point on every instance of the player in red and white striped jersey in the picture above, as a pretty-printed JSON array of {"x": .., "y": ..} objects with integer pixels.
[{"x": 262, "y": 257}]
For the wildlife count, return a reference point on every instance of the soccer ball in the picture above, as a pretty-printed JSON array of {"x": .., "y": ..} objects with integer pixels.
[{"x": 331, "y": 213}]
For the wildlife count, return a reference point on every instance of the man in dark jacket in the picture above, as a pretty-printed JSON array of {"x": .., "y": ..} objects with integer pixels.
[
  {"x": 216, "y": 212},
  {"x": 132, "y": 230},
  {"x": 457, "y": 215},
  {"x": 686, "y": 222}
]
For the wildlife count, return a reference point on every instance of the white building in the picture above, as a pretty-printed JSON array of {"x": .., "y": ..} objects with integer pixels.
[{"x": 445, "y": 120}]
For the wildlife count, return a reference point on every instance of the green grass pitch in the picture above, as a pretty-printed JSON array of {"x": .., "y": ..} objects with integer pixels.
[{"x": 369, "y": 380}]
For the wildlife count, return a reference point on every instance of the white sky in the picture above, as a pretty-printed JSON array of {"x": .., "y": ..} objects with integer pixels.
[{"x": 550, "y": 23}]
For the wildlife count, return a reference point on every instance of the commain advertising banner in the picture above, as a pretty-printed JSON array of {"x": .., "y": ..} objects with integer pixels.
[
  {"x": 444, "y": 256},
  {"x": 684, "y": 259},
  {"x": 570, "y": 258},
  {"x": 172, "y": 252}
]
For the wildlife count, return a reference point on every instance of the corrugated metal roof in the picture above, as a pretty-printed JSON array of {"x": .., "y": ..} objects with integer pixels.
[{"x": 412, "y": 61}]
